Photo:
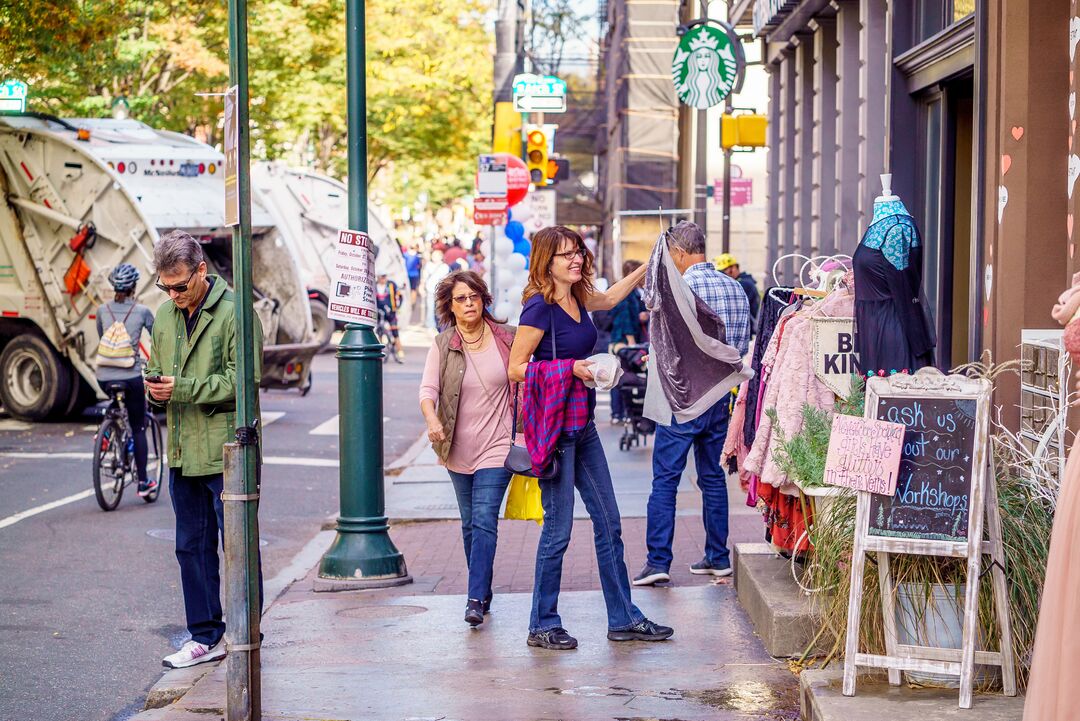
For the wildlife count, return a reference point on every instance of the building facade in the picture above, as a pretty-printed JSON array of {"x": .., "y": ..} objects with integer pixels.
[{"x": 967, "y": 104}]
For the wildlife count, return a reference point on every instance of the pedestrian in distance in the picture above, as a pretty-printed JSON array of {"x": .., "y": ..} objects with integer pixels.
[
  {"x": 192, "y": 374},
  {"x": 705, "y": 434},
  {"x": 414, "y": 264},
  {"x": 729, "y": 266},
  {"x": 555, "y": 335},
  {"x": 626, "y": 320},
  {"x": 388, "y": 300},
  {"x": 466, "y": 400},
  {"x": 124, "y": 366}
]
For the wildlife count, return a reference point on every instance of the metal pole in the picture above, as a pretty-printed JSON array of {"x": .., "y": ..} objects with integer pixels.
[
  {"x": 701, "y": 173},
  {"x": 362, "y": 555},
  {"x": 506, "y": 55},
  {"x": 244, "y": 602},
  {"x": 725, "y": 246}
]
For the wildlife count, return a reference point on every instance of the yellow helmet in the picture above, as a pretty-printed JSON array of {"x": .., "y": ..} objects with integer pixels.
[{"x": 725, "y": 261}]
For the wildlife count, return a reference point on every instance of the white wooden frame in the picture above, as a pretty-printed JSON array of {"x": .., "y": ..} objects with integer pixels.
[{"x": 931, "y": 384}]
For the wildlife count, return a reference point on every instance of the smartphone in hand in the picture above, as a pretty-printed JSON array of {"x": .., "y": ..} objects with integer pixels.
[{"x": 153, "y": 379}]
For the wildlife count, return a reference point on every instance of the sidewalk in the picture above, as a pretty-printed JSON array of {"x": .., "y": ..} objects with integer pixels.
[{"x": 405, "y": 653}]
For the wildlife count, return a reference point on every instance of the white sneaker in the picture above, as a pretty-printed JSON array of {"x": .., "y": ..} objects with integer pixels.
[{"x": 193, "y": 653}]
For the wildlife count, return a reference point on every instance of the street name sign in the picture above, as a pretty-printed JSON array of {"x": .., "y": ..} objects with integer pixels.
[
  {"x": 352, "y": 296},
  {"x": 13, "y": 96},
  {"x": 539, "y": 94}
]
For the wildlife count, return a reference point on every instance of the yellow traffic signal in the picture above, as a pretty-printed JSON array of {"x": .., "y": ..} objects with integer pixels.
[
  {"x": 745, "y": 131},
  {"x": 536, "y": 155}
]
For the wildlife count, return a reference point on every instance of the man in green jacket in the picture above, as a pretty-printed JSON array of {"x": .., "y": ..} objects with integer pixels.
[{"x": 192, "y": 373}]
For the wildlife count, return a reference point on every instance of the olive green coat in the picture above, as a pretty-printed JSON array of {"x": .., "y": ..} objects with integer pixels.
[{"x": 202, "y": 411}]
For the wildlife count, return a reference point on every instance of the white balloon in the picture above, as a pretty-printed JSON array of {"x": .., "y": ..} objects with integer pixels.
[
  {"x": 503, "y": 309},
  {"x": 504, "y": 248},
  {"x": 516, "y": 263},
  {"x": 522, "y": 212}
]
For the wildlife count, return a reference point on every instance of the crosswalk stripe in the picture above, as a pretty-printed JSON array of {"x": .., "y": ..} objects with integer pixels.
[
  {"x": 329, "y": 428},
  {"x": 269, "y": 417}
]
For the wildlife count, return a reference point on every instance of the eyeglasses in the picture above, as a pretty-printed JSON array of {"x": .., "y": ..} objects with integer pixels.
[
  {"x": 465, "y": 299},
  {"x": 179, "y": 287},
  {"x": 569, "y": 255}
]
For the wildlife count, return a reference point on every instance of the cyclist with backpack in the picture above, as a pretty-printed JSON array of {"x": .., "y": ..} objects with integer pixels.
[{"x": 120, "y": 324}]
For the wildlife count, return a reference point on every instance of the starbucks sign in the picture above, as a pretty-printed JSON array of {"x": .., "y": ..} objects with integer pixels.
[{"x": 704, "y": 68}]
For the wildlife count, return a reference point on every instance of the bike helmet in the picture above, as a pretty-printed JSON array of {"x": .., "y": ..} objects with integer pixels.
[{"x": 124, "y": 277}]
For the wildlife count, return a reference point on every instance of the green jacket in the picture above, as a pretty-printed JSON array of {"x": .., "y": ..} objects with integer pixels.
[{"x": 202, "y": 410}]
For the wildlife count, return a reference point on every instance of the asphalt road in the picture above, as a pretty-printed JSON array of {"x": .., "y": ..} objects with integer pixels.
[{"x": 90, "y": 601}]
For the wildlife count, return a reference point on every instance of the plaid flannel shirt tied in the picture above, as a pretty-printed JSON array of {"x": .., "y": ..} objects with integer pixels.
[{"x": 555, "y": 401}]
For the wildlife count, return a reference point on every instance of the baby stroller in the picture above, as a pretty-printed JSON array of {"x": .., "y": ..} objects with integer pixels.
[{"x": 636, "y": 428}]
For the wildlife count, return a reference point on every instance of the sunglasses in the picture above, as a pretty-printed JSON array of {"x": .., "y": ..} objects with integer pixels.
[
  {"x": 179, "y": 287},
  {"x": 463, "y": 299}
]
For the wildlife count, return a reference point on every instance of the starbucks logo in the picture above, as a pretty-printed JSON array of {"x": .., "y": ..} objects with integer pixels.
[{"x": 704, "y": 68}]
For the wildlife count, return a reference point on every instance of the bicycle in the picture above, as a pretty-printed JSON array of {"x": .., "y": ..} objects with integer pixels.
[
  {"x": 386, "y": 337},
  {"x": 114, "y": 452}
]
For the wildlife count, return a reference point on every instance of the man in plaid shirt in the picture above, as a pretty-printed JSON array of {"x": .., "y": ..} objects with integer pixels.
[{"x": 706, "y": 433}]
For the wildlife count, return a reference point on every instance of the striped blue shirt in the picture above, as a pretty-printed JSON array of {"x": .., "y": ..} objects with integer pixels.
[{"x": 727, "y": 299}]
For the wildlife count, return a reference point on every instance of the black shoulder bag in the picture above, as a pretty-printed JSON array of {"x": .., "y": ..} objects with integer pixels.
[{"x": 518, "y": 460}]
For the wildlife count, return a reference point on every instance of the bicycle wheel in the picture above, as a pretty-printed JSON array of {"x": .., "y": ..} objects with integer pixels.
[
  {"x": 109, "y": 465},
  {"x": 155, "y": 457}
]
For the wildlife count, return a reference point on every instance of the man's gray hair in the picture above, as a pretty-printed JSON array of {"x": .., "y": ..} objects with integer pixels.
[
  {"x": 177, "y": 249},
  {"x": 687, "y": 237}
]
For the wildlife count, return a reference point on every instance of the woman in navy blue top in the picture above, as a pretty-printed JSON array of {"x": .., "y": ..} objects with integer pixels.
[{"x": 555, "y": 324}]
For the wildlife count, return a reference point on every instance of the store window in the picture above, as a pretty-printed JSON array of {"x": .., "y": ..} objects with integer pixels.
[{"x": 933, "y": 16}]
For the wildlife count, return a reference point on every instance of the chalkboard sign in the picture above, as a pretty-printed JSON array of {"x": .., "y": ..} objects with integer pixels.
[
  {"x": 945, "y": 491},
  {"x": 933, "y": 489}
]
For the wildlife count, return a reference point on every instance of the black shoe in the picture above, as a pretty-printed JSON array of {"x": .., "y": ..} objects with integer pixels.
[
  {"x": 487, "y": 603},
  {"x": 474, "y": 612},
  {"x": 650, "y": 576},
  {"x": 704, "y": 568},
  {"x": 557, "y": 639},
  {"x": 643, "y": 630}
]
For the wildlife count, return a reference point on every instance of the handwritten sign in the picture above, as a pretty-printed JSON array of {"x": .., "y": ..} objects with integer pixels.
[
  {"x": 933, "y": 493},
  {"x": 864, "y": 454}
]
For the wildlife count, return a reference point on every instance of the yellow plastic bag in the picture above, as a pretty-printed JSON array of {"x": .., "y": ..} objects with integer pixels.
[{"x": 523, "y": 501}]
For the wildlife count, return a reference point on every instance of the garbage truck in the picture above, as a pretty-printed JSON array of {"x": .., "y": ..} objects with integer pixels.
[
  {"x": 309, "y": 209},
  {"x": 81, "y": 196}
]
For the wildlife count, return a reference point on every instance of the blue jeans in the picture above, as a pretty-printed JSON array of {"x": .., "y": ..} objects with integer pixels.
[
  {"x": 200, "y": 519},
  {"x": 582, "y": 464},
  {"x": 479, "y": 497},
  {"x": 618, "y": 410},
  {"x": 706, "y": 434}
]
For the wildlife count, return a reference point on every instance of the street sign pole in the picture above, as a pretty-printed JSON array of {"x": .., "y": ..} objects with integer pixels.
[
  {"x": 241, "y": 473},
  {"x": 362, "y": 555},
  {"x": 725, "y": 245}
]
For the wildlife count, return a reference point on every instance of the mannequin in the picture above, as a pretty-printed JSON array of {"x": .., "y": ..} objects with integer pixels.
[{"x": 893, "y": 329}]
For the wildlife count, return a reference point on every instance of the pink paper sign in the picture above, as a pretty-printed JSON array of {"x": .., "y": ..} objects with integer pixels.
[{"x": 864, "y": 454}]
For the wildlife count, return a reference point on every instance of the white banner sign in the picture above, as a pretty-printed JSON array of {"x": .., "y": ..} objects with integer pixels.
[
  {"x": 542, "y": 205},
  {"x": 491, "y": 176},
  {"x": 835, "y": 360},
  {"x": 352, "y": 297}
]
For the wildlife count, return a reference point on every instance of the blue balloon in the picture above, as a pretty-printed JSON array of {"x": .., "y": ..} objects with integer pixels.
[
  {"x": 509, "y": 214},
  {"x": 515, "y": 231},
  {"x": 523, "y": 246}
]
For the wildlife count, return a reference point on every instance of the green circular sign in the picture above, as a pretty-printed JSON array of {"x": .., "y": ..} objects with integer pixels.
[{"x": 704, "y": 67}]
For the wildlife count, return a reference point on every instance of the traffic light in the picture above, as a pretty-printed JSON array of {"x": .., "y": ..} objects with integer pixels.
[
  {"x": 536, "y": 155},
  {"x": 557, "y": 169}
]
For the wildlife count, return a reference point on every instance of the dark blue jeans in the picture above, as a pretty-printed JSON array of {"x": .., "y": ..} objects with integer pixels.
[
  {"x": 706, "y": 435},
  {"x": 200, "y": 520},
  {"x": 582, "y": 463},
  {"x": 479, "y": 497}
]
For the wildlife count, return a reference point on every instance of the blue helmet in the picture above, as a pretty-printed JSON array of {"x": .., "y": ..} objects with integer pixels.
[{"x": 124, "y": 277}]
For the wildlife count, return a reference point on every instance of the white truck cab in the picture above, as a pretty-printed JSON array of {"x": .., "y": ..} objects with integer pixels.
[{"x": 122, "y": 184}]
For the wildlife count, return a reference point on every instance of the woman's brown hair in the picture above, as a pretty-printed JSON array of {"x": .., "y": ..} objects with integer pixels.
[
  {"x": 546, "y": 242},
  {"x": 444, "y": 296}
]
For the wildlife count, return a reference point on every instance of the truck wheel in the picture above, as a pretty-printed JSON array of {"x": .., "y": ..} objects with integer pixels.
[
  {"x": 320, "y": 323},
  {"x": 35, "y": 382}
]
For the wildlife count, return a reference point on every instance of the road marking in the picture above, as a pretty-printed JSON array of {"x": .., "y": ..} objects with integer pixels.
[
  {"x": 74, "y": 455},
  {"x": 269, "y": 417},
  {"x": 11, "y": 520},
  {"x": 291, "y": 461},
  {"x": 329, "y": 428},
  {"x": 12, "y": 425}
]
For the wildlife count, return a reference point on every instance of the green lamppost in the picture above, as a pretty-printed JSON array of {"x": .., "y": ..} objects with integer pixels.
[{"x": 362, "y": 555}]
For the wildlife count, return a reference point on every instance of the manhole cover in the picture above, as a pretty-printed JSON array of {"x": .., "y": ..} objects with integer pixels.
[
  {"x": 169, "y": 534},
  {"x": 377, "y": 612}
]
